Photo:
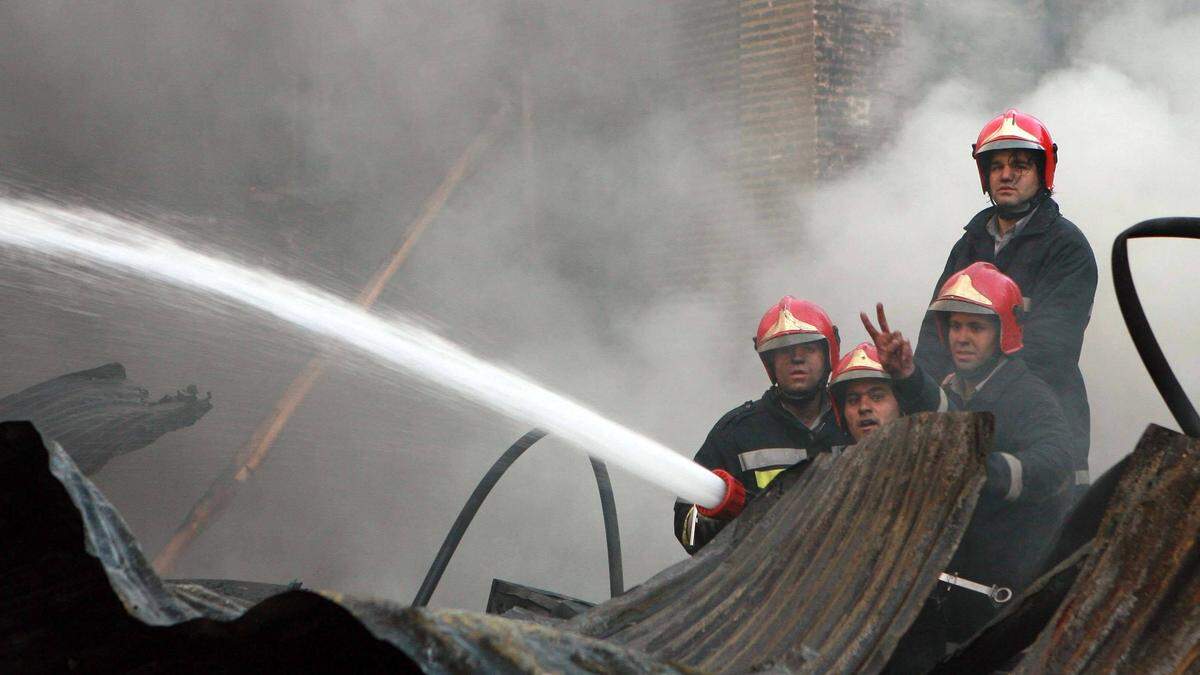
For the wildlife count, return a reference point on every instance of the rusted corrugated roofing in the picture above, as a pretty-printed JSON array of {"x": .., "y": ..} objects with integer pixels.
[
  {"x": 824, "y": 572},
  {"x": 1124, "y": 593},
  {"x": 795, "y": 587},
  {"x": 76, "y": 594},
  {"x": 1135, "y": 605}
]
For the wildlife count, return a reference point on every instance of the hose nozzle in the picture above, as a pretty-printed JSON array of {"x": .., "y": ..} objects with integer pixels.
[{"x": 733, "y": 502}]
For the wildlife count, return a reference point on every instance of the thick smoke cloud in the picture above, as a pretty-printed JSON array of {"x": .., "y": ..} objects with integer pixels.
[
  {"x": 305, "y": 136},
  {"x": 1124, "y": 116}
]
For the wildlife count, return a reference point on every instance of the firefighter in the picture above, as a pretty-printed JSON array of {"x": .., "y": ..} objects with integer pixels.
[
  {"x": 792, "y": 422},
  {"x": 977, "y": 314},
  {"x": 1025, "y": 236},
  {"x": 861, "y": 391}
]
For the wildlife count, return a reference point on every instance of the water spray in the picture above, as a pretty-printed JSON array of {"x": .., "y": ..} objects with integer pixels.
[{"x": 104, "y": 240}]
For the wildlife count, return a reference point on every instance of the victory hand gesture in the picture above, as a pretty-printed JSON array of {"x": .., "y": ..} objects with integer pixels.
[{"x": 895, "y": 351}]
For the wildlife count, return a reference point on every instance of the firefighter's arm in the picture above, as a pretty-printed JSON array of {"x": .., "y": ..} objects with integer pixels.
[
  {"x": 919, "y": 393},
  {"x": 695, "y": 526},
  {"x": 1059, "y": 311},
  {"x": 1040, "y": 466}
]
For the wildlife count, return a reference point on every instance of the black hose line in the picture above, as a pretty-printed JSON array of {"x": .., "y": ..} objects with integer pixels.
[
  {"x": 467, "y": 514},
  {"x": 1139, "y": 327},
  {"x": 612, "y": 535},
  {"x": 612, "y": 532},
  {"x": 1135, "y": 321}
]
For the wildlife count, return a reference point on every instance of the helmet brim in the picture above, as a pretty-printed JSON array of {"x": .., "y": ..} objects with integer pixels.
[
  {"x": 862, "y": 374},
  {"x": 787, "y": 341},
  {"x": 1008, "y": 144},
  {"x": 960, "y": 306}
]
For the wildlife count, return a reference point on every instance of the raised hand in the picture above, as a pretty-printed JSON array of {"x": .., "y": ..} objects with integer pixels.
[{"x": 895, "y": 351}]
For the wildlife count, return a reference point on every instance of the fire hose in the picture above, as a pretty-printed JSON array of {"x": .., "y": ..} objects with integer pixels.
[
  {"x": 608, "y": 507},
  {"x": 1136, "y": 322},
  {"x": 1139, "y": 327}
]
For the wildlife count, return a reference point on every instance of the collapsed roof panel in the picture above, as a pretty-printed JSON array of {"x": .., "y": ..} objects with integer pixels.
[
  {"x": 825, "y": 571},
  {"x": 76, "y": 593},
  {"x": 98, "y": 414},
  {"x": 1136, "y": 602}
]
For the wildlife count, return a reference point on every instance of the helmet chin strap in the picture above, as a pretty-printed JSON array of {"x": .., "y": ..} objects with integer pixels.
[
  {"x": 1017, "y": 211},
  {"x": 807, "y": 396}
]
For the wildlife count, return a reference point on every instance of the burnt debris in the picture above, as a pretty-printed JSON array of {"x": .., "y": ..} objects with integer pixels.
[
  {"x": 98, "y": 414},
  {"x": 826, "y": 572}
]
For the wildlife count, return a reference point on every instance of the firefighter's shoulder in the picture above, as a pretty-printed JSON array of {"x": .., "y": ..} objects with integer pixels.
[{"x": 736, "y": 415}]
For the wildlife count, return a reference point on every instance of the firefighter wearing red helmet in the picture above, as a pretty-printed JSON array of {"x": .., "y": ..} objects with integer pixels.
[
  {"x": 792, "y": 422},
  {"x": 861, "y": 391},
  {"x": 977, "y": 315},
  {"x": 1025, "y": 236}
]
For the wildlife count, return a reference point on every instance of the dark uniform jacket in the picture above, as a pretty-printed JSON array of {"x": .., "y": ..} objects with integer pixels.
[
  {"x": 1053, "y": 263},
  {"x": 1028, "y": 481},
  {"x": 754, "y": 442}
]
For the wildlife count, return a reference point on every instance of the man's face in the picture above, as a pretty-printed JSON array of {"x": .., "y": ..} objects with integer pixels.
[
  {"x": 799, "y": 368},
  {"x": 869, "y": 404},
  {"x": 972, "y": 338},
  {"x": 1012, "y": 177}
]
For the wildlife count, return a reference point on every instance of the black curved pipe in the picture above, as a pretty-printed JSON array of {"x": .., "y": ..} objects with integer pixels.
[
  {"x": 1139, "y": 327},
  {"x": 612, "y": 533},
  {"x": 455, "y": 535}
]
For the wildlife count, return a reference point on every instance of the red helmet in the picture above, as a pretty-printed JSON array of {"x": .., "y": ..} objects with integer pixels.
[
  {"x": 792, "y": 322},
  {"x": 983, "y": 289},
  {"x": 861, "y": 363},
  {"x": 1016, "y": 130}
]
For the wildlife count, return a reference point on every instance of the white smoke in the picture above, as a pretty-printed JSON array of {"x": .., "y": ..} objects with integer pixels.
[
  {"x": 1123, "y": 110},
  {"x": 185, "y": 107}
]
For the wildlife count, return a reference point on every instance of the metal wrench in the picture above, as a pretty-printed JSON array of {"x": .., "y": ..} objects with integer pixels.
[{"x": 998, "y": 594}]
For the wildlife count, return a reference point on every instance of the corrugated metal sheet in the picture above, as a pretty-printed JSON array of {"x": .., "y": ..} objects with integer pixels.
[
  {"x": 1135, "y": 606},
  {"x": 1124, "y": 593},
  {"x": 98, "y": 414},
  {"x": 826, "y": 571},
  {"x": 76, "y": 594}
]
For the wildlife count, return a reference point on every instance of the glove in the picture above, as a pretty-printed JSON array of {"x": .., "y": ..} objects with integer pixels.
[{"x": 732, "y": 504}]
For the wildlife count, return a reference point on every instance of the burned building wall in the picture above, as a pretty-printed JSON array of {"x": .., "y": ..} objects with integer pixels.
[{"x": 789, "y": 92}]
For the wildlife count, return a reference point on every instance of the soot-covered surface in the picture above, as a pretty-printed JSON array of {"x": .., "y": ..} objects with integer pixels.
[
  {"x": 98, "y": 414},
  {"x": 825, "y": 572}
]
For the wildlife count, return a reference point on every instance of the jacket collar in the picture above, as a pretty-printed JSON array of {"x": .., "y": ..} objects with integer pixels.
[
  {"x": 989, "y": 392},
  {"x": 1045, "y": 215},
  {"x": 775, "y": 406}
]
